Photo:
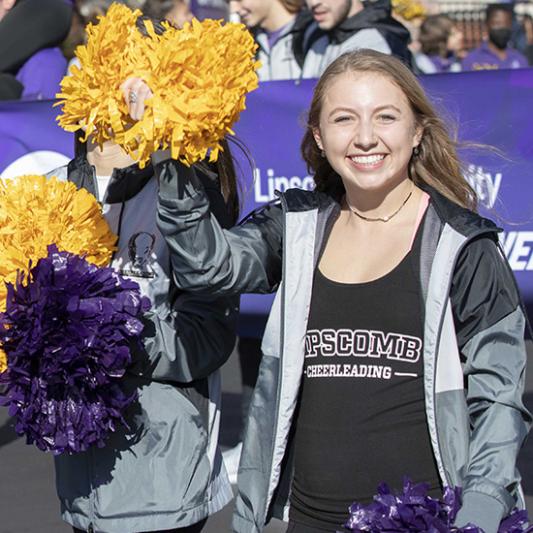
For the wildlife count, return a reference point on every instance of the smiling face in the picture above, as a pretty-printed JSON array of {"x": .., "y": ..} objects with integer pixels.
[{"x": 367, "y": 131}]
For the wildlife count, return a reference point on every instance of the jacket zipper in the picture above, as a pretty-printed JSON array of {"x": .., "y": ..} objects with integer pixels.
[{"x": 282, "y": 336}]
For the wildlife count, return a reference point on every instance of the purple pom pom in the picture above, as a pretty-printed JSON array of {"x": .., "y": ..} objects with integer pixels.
[
  {"x": 67, "y": 334},
  {"x": 517, "y": 522},
  {"x": 414, "y": 510}
]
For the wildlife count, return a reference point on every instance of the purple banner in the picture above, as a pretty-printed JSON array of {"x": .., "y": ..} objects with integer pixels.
[
  {"x": 490, "y": 108},
  {"x": 30, "y": 140}
]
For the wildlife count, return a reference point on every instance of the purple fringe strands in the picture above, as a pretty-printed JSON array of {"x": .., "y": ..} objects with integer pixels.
[
  {"x": 68, "y": 332},
  {"x": 414, "y": 510}
]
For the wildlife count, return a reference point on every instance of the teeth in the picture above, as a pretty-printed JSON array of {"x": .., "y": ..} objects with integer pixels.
[{"x": 367, "y": 159}]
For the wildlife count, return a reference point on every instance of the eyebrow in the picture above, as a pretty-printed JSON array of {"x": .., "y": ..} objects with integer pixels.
[{"x": 380, "y": 108}]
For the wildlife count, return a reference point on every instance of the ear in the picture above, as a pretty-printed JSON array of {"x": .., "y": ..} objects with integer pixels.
[
  {"x": 419, "y": 133},
  {"x": 318, "y": 138},
  {"x": 8, "y": 4}
]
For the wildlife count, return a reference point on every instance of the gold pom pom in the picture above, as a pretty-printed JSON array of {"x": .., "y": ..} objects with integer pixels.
[
  {"x": 199, "y": 76},
  {"x": 409, "y": 9},
  {"x": 36, "y": 212}
]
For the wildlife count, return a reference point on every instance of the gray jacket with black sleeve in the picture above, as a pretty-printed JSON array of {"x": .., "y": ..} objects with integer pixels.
[
  {"x": 474, "y": 350},
  {"x": 165, "y": 470}
]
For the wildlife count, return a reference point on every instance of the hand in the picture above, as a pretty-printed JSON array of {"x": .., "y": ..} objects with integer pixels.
[{"x": 136, "y": 92}]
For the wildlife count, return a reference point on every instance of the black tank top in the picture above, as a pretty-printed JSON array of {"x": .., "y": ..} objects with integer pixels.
[{"x": 361, "y": 417}]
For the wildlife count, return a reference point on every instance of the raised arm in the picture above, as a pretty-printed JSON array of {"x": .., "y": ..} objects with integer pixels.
[{"x": 205, "y": 257}]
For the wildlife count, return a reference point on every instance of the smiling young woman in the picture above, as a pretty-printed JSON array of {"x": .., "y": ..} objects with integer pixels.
[
  {"x": 395, "y": 343},
  {"x": 368, "y": 133},
  {"x": 372, "y": 139}
]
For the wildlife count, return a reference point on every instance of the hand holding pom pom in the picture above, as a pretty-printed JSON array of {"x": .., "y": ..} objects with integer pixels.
[
  {"x": 413, "y": 510},
  {"x": 136, "y": 92},
  {"x": 199, "y": 77}
]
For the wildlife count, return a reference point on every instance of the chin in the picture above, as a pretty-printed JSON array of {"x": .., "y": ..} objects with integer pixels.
[{"x": 372, "y": 184}]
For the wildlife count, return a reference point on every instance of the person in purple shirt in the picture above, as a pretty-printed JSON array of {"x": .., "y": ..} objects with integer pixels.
[
  {"x": 441, "y": 43},
  {"x": 274, "y": 26},
  {"x": 41, "y": 74},
  {"x": 495, "y": 53}
]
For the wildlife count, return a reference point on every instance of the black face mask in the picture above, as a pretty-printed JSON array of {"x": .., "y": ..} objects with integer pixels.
[{"x": 500, "y": 37}]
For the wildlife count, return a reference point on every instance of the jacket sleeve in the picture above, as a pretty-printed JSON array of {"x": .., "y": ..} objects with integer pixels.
[
  {"x": 490, "y": 324},
  {"x": 189, "y": 340},
  {"x": 207, "y": 258},
  {"x": 194, "y": 334}
]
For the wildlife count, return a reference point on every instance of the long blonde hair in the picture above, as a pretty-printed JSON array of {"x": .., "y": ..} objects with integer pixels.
[{"x": 437, "y": 163}]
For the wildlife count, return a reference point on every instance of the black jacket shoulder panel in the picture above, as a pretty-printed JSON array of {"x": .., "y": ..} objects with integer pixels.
[
  {"x": 299, "y": 45},
  {"x": 459, "y": 218},
  {"x": 481, "y": 278}
]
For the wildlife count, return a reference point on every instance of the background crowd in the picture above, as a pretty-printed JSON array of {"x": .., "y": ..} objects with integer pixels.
[{"x": 296, "y": 38}]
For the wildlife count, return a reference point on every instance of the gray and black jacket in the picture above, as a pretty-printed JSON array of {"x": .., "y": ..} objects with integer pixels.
[
  {"x": 166, "y": 470},
  {"x": 474, "y": 349}
]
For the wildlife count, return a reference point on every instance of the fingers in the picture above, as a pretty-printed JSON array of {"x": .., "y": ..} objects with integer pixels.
[{"x": 136, "y": 92}]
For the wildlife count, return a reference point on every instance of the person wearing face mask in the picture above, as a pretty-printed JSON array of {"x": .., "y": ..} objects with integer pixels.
[{"x": 495, "y": 53}]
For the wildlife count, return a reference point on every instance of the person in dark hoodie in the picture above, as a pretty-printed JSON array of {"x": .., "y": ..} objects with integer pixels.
[{"x": 340, "y": 26}]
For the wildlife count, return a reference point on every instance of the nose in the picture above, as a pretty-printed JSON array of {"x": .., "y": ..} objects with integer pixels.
[{"x": 365, "y": 137}]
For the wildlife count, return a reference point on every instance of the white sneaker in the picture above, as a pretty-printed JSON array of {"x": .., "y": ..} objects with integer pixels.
[{"x": 231, "y": 461}]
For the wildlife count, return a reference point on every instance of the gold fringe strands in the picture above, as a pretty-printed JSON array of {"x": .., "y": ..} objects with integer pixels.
[
  {"x": 91, "y": 96},
  {"x": 36, "y": 212},
  {"x": 199, "y": 77}
]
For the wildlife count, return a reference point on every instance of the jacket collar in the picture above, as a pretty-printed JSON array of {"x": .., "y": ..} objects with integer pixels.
[
  {"x": 462, "y": 220},
  {"x": 124, "y": 184},
  {"x": 459, "y": 218}
]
